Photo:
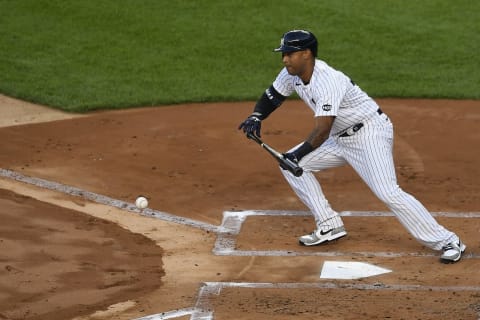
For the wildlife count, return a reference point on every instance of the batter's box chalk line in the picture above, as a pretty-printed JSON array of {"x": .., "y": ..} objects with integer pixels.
[
  {"x": 225, "y": 244},
  {"x": 170, "y": 314},
  {"x": 208, "y": 291}
]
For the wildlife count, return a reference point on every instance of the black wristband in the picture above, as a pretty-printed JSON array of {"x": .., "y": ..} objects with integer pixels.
[{"x": 303, "y": 150}]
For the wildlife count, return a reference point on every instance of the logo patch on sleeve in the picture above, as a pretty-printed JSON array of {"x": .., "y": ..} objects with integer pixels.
[{"x": 327, "y": 107}]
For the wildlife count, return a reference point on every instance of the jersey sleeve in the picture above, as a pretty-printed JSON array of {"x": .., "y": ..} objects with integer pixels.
[
  {"x": 284, "y": 83},
  {"x": 328, "y": 94}
]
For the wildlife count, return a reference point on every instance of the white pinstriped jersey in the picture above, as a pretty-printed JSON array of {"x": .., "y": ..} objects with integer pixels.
[
  {"x": 329, "y": 93},
  {"x": 368, "y": 151}
]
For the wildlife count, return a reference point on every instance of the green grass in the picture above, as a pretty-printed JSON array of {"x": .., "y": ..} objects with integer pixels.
[{"x": 85, "y": 55}]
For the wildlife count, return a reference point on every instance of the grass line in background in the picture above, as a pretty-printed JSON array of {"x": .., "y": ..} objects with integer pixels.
[{"x": 85, "y": 55}]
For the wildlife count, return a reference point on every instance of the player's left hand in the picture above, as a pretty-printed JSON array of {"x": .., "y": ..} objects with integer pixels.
[
  {"x": 290, "y": 156},
  {"x": 251, "y": 125},
  {"x": 297, "y": 154}
]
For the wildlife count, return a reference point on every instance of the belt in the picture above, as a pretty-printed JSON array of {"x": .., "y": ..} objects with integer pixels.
[{"x": 353, "y": 129}]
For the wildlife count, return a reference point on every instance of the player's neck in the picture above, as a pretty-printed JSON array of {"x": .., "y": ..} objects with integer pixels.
[{"x": 306, "y": 76}]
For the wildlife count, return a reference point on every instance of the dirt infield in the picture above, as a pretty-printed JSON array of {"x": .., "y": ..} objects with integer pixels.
[{"x": 66, "y": 257}]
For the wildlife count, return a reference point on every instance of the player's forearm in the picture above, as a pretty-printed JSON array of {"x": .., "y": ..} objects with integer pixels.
[
  {"x": 317, "y": 137},
  {"x": 314, "y": 140},
  {"x": 321, "y": 131},
  {"x": 268, "y": 102}
]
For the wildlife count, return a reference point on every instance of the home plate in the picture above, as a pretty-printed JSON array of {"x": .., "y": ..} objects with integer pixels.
[{"x": 350, "y": 270}]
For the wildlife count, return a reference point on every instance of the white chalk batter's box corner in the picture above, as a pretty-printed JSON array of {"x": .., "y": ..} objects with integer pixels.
[
  {"x": 233, "y": 221},
  {"x": 209, "y": 291}
]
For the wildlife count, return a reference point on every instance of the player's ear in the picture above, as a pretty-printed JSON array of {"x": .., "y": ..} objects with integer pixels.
[{"x": 307, "y": 54}]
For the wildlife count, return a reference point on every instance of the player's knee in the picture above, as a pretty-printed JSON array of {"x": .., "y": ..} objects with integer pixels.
[{"x": 390, "y": 196}]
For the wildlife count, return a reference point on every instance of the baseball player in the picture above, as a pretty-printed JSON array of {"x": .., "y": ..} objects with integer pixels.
[{"x": 349, "y": 128}]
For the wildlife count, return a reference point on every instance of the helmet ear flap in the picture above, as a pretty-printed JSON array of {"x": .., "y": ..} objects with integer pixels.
[{"x": 313, "y": 49}]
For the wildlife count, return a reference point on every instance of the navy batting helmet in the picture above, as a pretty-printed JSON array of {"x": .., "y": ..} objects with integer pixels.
[{"x": 298, "y": 40}]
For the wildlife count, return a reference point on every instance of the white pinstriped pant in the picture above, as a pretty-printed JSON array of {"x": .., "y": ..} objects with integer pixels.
[{"x": 370, "y": 152}]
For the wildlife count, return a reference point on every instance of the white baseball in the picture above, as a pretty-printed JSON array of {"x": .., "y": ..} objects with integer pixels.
[{"x": 141, "y": 202}]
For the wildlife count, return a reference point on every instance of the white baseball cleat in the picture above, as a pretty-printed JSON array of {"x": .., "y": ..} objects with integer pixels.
[
  {"x": 452, "y": 252},
  {"x": 322, "y": 235}
]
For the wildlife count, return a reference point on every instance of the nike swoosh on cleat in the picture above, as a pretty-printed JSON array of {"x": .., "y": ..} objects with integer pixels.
[{"x": 324, "y": 233}]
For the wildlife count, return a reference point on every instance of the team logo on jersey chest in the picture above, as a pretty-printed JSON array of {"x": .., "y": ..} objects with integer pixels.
[{"x": 327, "y": 107}]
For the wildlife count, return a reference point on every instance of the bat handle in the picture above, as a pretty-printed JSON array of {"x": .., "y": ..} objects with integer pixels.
[{"x": 254, "y": 138}]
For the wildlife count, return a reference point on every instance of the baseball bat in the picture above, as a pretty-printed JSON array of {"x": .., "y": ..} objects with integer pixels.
[{"x": 286, "y": 163}]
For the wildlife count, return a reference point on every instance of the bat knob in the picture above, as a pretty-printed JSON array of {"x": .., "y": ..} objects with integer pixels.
[{"x": 298, "y": 172}]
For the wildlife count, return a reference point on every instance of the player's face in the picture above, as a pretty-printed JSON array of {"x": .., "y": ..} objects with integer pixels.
[{"x": 296, "y": 62}]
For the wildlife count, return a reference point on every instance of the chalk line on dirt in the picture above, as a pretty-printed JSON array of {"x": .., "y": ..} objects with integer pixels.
[
  {"x": 209, "y": 290},
  {"x": 169, "y": 315},
  {"x": 101, "y": 199},
  {"x": 225, "y": 244}
]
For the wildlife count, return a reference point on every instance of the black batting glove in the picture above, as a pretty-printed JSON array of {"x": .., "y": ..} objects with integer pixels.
[
  {"x": 251, "y": 125},
  {"x": 297, "y": 154},
  {"x": 291, "y": 156}
]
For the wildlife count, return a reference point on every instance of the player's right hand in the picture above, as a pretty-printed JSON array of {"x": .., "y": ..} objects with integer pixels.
[{"x": 251, "y": 125}]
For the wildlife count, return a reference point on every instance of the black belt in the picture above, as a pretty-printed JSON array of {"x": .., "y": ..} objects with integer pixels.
[{"x": 351, "y": 131}]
